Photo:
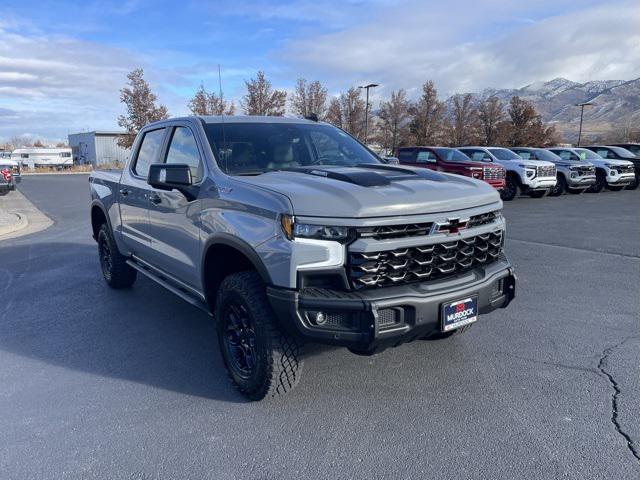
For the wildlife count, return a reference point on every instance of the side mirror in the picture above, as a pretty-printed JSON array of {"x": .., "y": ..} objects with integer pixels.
[{"x": 172, "y": 176}]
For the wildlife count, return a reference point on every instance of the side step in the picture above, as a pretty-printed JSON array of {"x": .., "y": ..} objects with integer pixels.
[{"x": 175, "y": 288}]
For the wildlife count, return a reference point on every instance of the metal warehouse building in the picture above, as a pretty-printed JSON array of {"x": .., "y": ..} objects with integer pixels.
[{"x": 97, "y": 148}]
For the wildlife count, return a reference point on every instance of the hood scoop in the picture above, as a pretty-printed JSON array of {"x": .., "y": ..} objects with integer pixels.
[{"x": 355, "y": 176}]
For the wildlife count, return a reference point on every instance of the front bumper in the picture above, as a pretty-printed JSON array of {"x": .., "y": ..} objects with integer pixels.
[
  {"x": 497, "y": 184},
  {"x": 581, "y": 182},
  {"x": 542, "y": 183},
  {"x": 624, "y": 179},
  {"x": 373, "y": 319}
]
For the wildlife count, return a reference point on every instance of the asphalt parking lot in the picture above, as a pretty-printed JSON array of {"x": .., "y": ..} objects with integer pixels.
[{"x": 96, "y": 383}]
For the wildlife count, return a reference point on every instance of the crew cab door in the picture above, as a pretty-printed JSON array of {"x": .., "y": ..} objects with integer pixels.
[
  {"x": 175, "y": 221},
  {"x": 133, "y": 195}
]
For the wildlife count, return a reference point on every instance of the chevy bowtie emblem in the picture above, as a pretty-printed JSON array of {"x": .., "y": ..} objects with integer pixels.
[{"x": 451, "y": 226}]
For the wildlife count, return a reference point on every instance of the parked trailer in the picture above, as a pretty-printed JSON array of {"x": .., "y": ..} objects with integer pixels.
[{"x": 33, "y": 157}]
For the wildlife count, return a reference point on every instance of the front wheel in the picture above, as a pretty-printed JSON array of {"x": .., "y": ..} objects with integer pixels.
[
  {"x": 511, "y": 189},
  {"x": 576, "y": 191},
  {"x": 615, "y": 188},
  {"x": 634, "y": 184},
  {"x": 262, "y": 359},
  {"x": 560, "y": 188},
  {"x": 601, "y": 182},
  {"x": 4, "y": 192}
]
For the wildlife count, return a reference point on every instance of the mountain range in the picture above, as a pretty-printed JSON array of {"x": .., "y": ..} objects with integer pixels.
[{"x": 616, "y": 104}]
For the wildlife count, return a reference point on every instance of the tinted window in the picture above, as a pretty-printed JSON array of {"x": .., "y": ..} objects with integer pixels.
[
  {"x": 477, "y": 155},
  {"x": 24, "y": 155},
  {"x": 184, "y": 149},
  {"x": 546, "y": 155},
  {"x": 635, "y": 149},
  {"x": 504, "y": 154},
  {"x": 405, "y": 156},
  {"x": 65, "y": 154},
  {"x": 452, "y": 155},
  {"x": 622, "y": 152},
  {"x": 254, "y": 148},
  {"x": 526, "y": 154},
  {"x": 149, "y": 151},
  {"x": 602, "y": 152},
  {"x": 565, "y": 154},
  {"x": 425, "y": 156}
]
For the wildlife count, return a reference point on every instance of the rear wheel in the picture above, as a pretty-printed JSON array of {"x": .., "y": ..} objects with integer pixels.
[
  {"x": 601, "y": 182},
  {"x": 114, "y": 266},
  {"x": 445, "y": 335},
  {"x": 262, "y": 359},
  {"x": 511, "y": 189},
  {"x": 560, "y": 188}
]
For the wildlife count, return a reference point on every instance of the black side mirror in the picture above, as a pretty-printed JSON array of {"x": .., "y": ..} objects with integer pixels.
[{"x": 172, "y": 176}]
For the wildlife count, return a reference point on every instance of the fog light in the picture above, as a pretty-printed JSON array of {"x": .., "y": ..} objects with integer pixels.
[{"x": 319, "y": 318}]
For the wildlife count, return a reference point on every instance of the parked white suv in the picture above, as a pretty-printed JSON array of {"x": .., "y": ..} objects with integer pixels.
[
  {"x": 535, "y": 178},
  {"x": 611, "y": 173}
]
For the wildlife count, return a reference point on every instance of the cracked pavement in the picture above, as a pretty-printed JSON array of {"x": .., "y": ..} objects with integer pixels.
[{"x": 103, "y": 384}]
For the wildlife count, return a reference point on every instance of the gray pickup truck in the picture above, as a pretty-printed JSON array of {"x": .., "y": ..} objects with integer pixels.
[{"x": 290, "y": 231}]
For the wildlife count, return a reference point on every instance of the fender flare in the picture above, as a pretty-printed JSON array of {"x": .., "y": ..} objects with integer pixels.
[
  {"x": 240, "y": 245},
  {"x": 98, "y": 203}
]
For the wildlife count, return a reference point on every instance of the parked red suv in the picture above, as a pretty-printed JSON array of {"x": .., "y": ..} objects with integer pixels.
[{"x": 452, "y": 160}]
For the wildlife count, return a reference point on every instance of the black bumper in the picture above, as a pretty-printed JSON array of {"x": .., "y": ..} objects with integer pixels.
[{"x": 374, "y": 319}]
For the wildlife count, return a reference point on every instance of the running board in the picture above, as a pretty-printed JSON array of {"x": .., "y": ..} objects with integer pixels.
[{"x": 183, "y": 293}]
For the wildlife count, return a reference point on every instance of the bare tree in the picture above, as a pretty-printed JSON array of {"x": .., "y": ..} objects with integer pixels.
[
  {"x": 18, "y": 141},
  {"x": 491, "y": 116},
  {"x": 61, "y": 145},
  {"x": 394, "y": 120},
  {"x": 38, "y": 144},
  {"x": 208, "y": 103},
  {"x": 262, "y": 99},
  {"x": 348, "y": 112},
  {"x": 141, "y": 107},
  {"x": 309, "y": 98},
  {"x": 428, "y": 117},
  {"x": 463, "y": 129}
]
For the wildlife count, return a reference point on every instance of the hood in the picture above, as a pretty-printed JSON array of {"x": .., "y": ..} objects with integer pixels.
[
  {"x": 614, "y": 161},
  {"x": 533, "y": 163},
  {"x": 373, "y": 191}
]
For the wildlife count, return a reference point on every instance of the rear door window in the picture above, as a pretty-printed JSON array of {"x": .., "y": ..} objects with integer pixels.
[
  {"x": 425, "y": 156},
  {"x": 406, "y": 155},
  {"x": 148, "y": 152}
]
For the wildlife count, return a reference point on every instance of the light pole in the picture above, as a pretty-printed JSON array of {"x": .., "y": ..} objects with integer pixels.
[
  {"x": 366, "y": 110},
  {"x": 582, "y": 105}
]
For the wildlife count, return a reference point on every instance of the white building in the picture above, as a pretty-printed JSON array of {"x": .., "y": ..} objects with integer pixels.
[
  {"x": 42, "y": 157},
  {"x": 96, "y": 148}
]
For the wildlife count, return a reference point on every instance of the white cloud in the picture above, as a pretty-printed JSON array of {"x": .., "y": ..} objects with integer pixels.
[{"x": 468, "y": 45}]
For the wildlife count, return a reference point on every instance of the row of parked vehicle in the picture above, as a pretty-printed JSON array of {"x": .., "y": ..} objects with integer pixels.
[
  {"x": 9, "y": 174},
  {"x": 535, "y": 171}
]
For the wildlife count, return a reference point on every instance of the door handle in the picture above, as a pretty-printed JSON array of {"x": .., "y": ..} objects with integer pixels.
[
  {"x": 124, "y": 192},
  {"x": 153, "y": 198}
]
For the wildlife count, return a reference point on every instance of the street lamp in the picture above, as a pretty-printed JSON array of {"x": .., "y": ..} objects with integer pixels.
[
  {"x": 582, "y": 105},
  {"x": 366, "y": 110}
]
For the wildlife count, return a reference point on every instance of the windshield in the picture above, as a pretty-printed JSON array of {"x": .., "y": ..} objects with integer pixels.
[
  {"x": 635, "y": 149},
  {"x": 504, "y": 154},
  {"x": 255, "y": 148},
  {"x": 546, "y": 155},
  {"x": 623, "y": 152},
  {"x": 585, "y": 154},
  {"x": 451, "y": 155}
]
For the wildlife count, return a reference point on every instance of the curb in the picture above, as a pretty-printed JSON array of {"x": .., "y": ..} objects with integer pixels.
[
  {"x": 19, "y": 222},
  {"x": 28, "y": 174}
]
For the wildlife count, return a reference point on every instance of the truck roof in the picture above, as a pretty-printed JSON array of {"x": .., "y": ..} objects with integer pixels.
[{"x": 243, "y": 119}]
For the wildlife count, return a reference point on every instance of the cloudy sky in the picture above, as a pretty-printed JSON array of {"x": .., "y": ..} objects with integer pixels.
[{"x": 62, "y": 63}]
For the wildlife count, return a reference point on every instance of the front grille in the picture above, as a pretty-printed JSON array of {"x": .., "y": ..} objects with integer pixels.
[
  {"x": 493, "y": 173},
  {"x": 624, "y": 168},
  {"x": 482, "y": 219},
  {"x": 547, "y": 171},
  {"x": 418, "y": 264},
  {"x": 582, "y": 171},
  {"x": 395, "y": 231},
  {"x": 388, "y": 317}
]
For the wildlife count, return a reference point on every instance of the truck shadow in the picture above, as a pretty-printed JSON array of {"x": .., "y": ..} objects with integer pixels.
[{"x": 58, "y": 310}]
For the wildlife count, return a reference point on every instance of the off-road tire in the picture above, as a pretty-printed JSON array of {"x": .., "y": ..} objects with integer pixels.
[
  {"x": 278, "y": 355},
  {"x": 511, "y": 188},
  {"x": 539, "y": 193},
  {"x": 615, "y": 188},
  {"x": 601, "y": 182},
  {"x": 576, "y": 191},
  {"x": 560, "y": 188},
  {"x": 4, "y": 192},
  {"x": 445, "y": 335},
  {"x": 114, "y": 266}
]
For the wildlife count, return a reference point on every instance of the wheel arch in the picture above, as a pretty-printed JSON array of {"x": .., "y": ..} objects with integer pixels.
[
  {"x": 224, "y": 254},
  {"x": 98, "y": 217}
]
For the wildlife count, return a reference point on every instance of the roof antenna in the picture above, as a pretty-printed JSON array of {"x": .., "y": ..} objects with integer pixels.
[{"x": 224, "y": 140}]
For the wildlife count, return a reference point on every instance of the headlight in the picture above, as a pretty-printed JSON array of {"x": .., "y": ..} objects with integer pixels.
[
  {"x": 529, "y": 173},
  {"x": 294, "y": 230},
  {"x": 613, "y": 172}
]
